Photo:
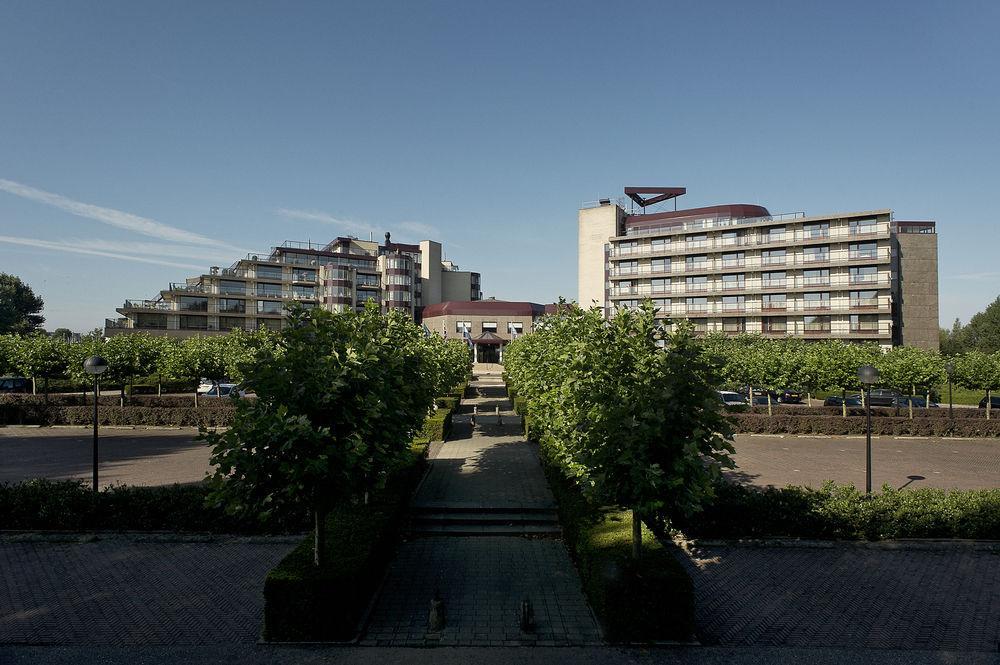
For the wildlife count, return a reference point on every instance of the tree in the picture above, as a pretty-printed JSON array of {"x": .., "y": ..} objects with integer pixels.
[
  {"x": 65, "y": 334},
  {"x": 906, "y": 367},
  {"x": 197, "y": 358},
  {"x": 8, "y": 354},
  {"x": 951, "y": 342},
  {"x": 40, "y": 357},
  {"x": 979, "y": 371},
  {"x": 130, "y": 356},
  {"x": 19, "y": 307}
]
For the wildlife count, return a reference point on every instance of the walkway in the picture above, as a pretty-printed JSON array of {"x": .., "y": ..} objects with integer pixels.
[{"x": 484, "y": 536}]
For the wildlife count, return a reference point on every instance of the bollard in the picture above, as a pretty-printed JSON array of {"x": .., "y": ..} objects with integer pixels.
[
  {"x": 527, "y": 619},
  {"x": 436, "y": 617},
  {"x": 499, "y": 417},
  {"x": 475, "y": 412}
]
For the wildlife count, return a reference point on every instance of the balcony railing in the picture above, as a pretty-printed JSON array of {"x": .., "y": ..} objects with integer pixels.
[
  {"x": 187, "y": 288},
  {"x": 148, "y": 304},
  {"x": 751, "y": 238},
  {"x": 750, "y": 286}
]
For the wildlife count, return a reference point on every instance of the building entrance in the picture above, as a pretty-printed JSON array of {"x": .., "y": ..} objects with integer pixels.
[{"x": 488, "y": 353}]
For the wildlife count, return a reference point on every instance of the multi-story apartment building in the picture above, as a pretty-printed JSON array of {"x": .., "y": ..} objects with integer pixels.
[
  {"x": 738, "y": 268},
  {"x": 343, "y": 274}
]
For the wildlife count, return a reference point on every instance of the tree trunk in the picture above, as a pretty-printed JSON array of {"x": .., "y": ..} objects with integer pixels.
[
  {"x": 913, "y": 389},
  {"x": 843, "y": 403},
  {"x": 927, "y": 399},
  {"x": 196, "y": 397},
  {"x": 121, "y": 399},
  {"x": 769, "y": 403},
  {"x": 159, "y": 385},
  {"x": 46, "y": 384},
  {"x": 34, "y": 391},
  {"x": 989, "y": 403},
  {"x": 319, "y": 536},
  {"x": 636, "y": 535}
]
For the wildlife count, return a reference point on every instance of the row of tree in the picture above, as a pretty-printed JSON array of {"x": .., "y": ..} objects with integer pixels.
[
  {"x": 42, "y": 357},
  {"x": 774, "y": 364},
  {"x": 625, "y": 408},
  {"x": 337, "y": 406}
]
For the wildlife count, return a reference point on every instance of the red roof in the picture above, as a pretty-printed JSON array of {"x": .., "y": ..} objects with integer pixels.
[
  {"x": 733, "y": 210},
  {"x": 483, "y": 308}
]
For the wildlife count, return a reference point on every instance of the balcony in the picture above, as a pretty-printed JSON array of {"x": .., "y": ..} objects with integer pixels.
[
  {"x": 696, "y": 309},
  {"x": 865, "y": 303},
  {"x": 304, "y": 277},
  {"x": 814, "y": 306},
  {"x": 774, "y": 306},
  {"x": 148, "y": 304},
  {"x": 733, "y": 286},
  {"x": 866, "y": 328},
  {"x": 773, "y": 283},
  {"x": 816, "y": 328},
  {"x": 862, "y": 254}
]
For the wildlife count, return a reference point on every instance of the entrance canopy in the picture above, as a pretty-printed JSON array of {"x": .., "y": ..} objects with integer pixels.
[{"x": 489, "y": 338}]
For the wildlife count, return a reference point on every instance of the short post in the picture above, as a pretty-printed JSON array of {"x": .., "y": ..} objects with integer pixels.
[
  {"x": 475, "y": 412},
  {"x": 950, "y": 369},
  {"x": 499, "y": 418},
  {"x": 95, "y": 366},
  {"x": 868, "y": 375}
]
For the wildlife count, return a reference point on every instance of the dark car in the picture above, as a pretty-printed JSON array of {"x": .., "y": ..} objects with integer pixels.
[
  {"x": 788, "y": 396},
  {"x": 836, "y": 400},
  {"x": 15, "y": 384},
  {"x": 885, "y": 397},
  {"x": 994, "y": 402},
  {"x": 918, "y": 402}
]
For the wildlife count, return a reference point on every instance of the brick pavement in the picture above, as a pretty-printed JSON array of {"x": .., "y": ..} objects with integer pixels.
[
  {"x": 483, "y": 579},
  {"x": 848, "y": 595},
  {"x": 126, "y": 590}
]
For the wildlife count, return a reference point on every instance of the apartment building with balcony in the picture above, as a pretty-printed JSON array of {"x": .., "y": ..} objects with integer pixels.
[
  {"x": 737, "y": 268},
  {"x": 256, "y": 291}
]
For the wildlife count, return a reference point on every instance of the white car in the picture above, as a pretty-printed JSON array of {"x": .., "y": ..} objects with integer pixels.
[
  {"x": 730, "y": 398},
  {"x": 225, "y": 390}
]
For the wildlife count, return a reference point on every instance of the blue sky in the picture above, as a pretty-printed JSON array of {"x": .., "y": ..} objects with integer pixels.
[{"x": 197, "y": 131}]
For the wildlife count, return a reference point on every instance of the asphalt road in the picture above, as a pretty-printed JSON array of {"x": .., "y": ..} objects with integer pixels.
[{"x": 161, "y": 457}]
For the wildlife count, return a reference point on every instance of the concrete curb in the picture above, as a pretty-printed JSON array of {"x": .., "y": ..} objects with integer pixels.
[{"x": 904, "y": 544}]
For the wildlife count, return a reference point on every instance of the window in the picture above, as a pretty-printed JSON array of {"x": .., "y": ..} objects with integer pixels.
[
  {"x": 662, "y": 303},
  {"x": 696, "y": 304},
  {"x": 628, "y": 267},
  {"x": 697, "y": 240},
  {"x": 462, "y": 326},
  {"x": 399, "y": 296},
  {"x": 307, "y": 292},
  {"x": 864, "y": 274},
  {"x": 489, "y": 326},
  {"x": 232, "y": 305},
  {"x": 193, "y": 322},
  {"x": 817, "y": 253},
  {"x": 515, "y": 327},
  {"x": 734, "y": 325},
  {"x": 229, "y": 286},
  {"x": 696, "y": 262},
  {"x": 734, "y": 281},
  {"x": 733, "y": 259},
  {"x": 774, "y": 324},
  {"x": 862, "y": 250},
  {"x": 269, "y": 272},
  {"x": 816, "y": 277},
  {"x": 816, "y": 230},
  {"x": 816, "y": 324},
  {"x": 628, "y": 247},
  {"x": 265, "y": 289},
  {"x": 774, "y": 234},
  {"x": 700, "y": 325},
  {"x": 270, "y": 324},
  {"x": 816, "y": 300},
  {"x": 862, "y": 226},
  {"x": 192, "y": 304},
  {"x": 773, "y": 256},
  {"x": 730, "y": 238},
  {"x": 660, "y": 265},
  {"x": 867, "y": 323},
  {"x": 732, "y": 303},
  {"x": 397, "y": 263},
  {"x": 268, "y": 307},
  {"x": 773, "y": 301},
  {"x": 147, "y": 320},
  {"x": 661, "y": 285},
  {"x": 699, "y": 283},
  {"x": 399, "y": 280},
  {"x": 231, "y": 322},
  {"x": 864, "y": 298},
  {"x": 367, "y": 280},
  {"x": 774, "y": 280},
  {"x": 303, "y": 275},
  {"x": 659, "y": 244}
]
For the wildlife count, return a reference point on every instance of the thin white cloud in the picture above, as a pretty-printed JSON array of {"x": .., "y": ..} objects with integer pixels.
[
  {"x": 109, "y": 216},
  {"x": 75, "y": 249},
  {"x": 425, "y": 231},
  {"x": 158, "y": 249},
  {"x": 325, "y": 218}
]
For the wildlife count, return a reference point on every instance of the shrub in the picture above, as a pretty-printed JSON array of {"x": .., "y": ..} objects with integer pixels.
[
  {"x": 841, "y": 511},
  {"x": 449, "y": 402},
  {"x": 149, "y": 401},
  {"x": 438, "y": 426},
  {"x": 755, "y": 423},
  {"x": 877, "y": 412},
  {"x": 39, "y": 414}
]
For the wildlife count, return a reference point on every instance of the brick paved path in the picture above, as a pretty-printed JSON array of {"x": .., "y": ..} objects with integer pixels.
[
  {"x": 848, "y": 595},
  {"x": 122, "y": 591},
  {"x": 483, "y": 579}
]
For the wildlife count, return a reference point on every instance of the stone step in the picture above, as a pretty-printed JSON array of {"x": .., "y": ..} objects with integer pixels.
[
  {"x": 437, "y": 507},
  {"x": 432, "y": 529},
  {"x": 482, "y": 518}
]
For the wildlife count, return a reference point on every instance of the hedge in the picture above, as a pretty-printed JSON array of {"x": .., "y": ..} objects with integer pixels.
[
  {"x": 39, "y": 414},
  {"x": 149, "y": 401},
  {"x": 69, "y": 505},
  {"x": 449, "y": 402},
  {"x": 877, "y": 412},
  {"x": 754, "y": 423},
  {"x": 649, "y": 600},
  {"x": 438, "y": 426},
  {"x": 303, "y": 603},
  {"x": 843, "y": 512}
]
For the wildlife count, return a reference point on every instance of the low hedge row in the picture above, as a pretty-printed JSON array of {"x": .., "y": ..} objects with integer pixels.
[
  {"x": 841, "y": 511},
  {"x": 149, "y": 401},
  {"x": 437, "y": 427},
  {"x": 39, "y": 414},
  {"x": 877, "y": 412},
  {"x": 755, "y": 423},
  {"x": 449, "y": 402},
  {"x": 70, "y": 505},
  {"x": 303, "y": 603},
  {"x": 652, "y": 599}
]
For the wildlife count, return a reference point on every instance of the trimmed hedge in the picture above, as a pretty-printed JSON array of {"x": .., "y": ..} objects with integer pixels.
[
  {"x": 449, "y": 402},
  {"x": 39, "y": 414},
  {"x": 69, "y": 505},
  {"x": 438, "y": 426},
  {"x": 843, "y": 512},
  {"x": 149, "y": 401},
  {"x": 755, "y": 423},
  {"x": 305, "y": 603},
  {"x": 652, "y": 599},
  {"x": 877, "y": 411}
]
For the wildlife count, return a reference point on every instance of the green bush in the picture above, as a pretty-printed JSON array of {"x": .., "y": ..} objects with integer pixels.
[
  {"x": 438, "y": 426},
  {"x": 449, "y": 402},
  {"x": 69, "y": 505},
  {"x": 877, "y": 412},
  {"x": 635, "y": 602},
  {"x": 756, "y": 423},
  {"x": 841, "y": 511},
  {"x": 150, "y": 401},
  {"x": 39, "y": 414},
  {"x": 303, "y": 602}
]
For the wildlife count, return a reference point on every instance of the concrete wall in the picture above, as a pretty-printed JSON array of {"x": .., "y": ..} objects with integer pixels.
[
  {"x": 448, "y": 322},
  {"x": 430, "y": 272},
  {"x": 455, "y": 285},
  {"x": 918, "y": 290},
  {"x": 595, "y": 226}
]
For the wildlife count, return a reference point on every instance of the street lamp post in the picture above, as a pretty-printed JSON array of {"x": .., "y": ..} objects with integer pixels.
[
  {"x": 868, "y": 375},
  {"x": 95, "y": 366},
  {"x": 950, "y": 369}
]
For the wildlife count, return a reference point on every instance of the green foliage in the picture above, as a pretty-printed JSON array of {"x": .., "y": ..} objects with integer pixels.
[
  {"x": 841, "y": 511},
  {"x": 19, "y": 413},
  {"x": 982, "y": 333},
  {"x": 39, "y": 357},
  {"x": 437, "y": 427},
  {"x": 885, "y": 425},
  {"x": 20, "y": 308},
  {"x": 634, "y": 424}
]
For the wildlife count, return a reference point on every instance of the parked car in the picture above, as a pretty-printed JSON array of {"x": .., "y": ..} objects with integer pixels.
[
  {"x": 918, "y": 402},
  {"x": 837, "y": 400},
  {"x": 994, "y": 402},
  {"x": 788, "y": 396},
  {"x": 885, "y": 397},
  {"x": 14, "y": 384},
  {"x": 225, "y": 390},
  {"x": 732, "y": 399}
]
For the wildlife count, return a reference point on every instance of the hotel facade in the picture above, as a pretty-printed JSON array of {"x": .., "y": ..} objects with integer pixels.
[
  {"x": 860, "y": 276},
  {"x": 256, "y": 291}
]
